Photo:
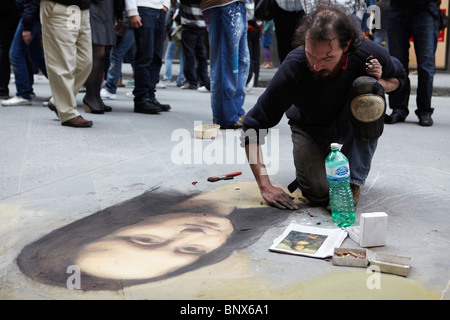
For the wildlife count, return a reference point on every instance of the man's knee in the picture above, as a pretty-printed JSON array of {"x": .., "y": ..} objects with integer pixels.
[{"x": 368, "y": 107}]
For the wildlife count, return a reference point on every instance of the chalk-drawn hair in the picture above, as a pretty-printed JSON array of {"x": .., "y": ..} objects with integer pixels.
[{"x": 46, "y": 260}]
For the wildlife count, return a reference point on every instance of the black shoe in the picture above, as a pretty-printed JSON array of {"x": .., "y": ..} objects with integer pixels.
[
  {"x": 189, "y": 86},
  {"x": 147, "y": 107},
  {"x": 425, "y": 120},
  {"x": 52, "y": 107},
  {"x": 91, "y": 109},
  {"x": 394, "y": 118},
  {"x": 235, "y": 126},
  {"x": 164, "y": 107}
]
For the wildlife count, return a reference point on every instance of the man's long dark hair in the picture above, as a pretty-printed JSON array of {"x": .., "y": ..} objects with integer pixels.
[{"x": 327, "y": 22}]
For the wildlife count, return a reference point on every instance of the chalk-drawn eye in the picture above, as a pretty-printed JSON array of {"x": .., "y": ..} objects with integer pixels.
[
  {"x": 194, "y": 249},
  {"x": 147, "y": 240}
]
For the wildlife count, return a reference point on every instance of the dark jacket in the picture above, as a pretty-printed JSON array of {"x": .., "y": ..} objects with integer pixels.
[
  {"x": 119, "y": 7},
  {"x": 29, "y": 12},
  {"x": 411, "y": 4},
  {"x": 312, "y": 104},
  {"x": 8, "y": 10}
]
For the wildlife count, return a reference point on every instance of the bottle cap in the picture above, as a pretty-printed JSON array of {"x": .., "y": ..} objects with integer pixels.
[{"x": 335, "y": 145}]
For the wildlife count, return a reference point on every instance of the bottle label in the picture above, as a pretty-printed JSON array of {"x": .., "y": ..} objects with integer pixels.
[{"x": 337, "y": 173}]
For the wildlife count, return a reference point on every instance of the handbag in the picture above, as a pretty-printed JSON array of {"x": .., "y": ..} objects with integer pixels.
[
  {"x": 176, "y": 35},
  {"x": 265, "y": 9}
]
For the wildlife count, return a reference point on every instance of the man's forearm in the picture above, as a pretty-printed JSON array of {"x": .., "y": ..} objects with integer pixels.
[
  {"x": 273, "y": 195},
  {"x": 389, "y": 84},
  {"x": 255, "y": 159}
]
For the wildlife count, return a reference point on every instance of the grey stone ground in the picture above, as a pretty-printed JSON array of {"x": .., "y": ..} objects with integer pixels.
[{"x": 51, "y": 176}]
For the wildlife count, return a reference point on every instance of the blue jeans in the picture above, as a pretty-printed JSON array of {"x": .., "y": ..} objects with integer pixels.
[
  {"x": 19, "y": 50},
  {"x": 380, "y": 35},
  {"x": 229, "y": 61},
  {"x": 171, "y": 50},
  {"x": 117, "y": 54},
  {"x": 149, "y": 52},
  {"x": 422, "y": 26}
]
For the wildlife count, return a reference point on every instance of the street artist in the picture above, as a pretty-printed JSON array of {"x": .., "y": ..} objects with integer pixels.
[{"x": 332, "y": 88}]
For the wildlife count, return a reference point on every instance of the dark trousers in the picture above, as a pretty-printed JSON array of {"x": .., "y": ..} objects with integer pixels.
[
  {"x": 422, "y": 26},
  {"x": 286, "y": 22},
  {"x": 195, "y": 56},
  {"x": 149, "y": 52},
  {"x": 254, "y": 45},
  {"x": 8, "y": 27}
]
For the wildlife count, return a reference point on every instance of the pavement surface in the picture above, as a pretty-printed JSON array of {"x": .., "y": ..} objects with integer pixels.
[{"x": 52, "y": 176}]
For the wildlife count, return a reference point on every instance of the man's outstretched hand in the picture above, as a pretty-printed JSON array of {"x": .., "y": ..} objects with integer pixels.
[{"x": 278, "y": 198}]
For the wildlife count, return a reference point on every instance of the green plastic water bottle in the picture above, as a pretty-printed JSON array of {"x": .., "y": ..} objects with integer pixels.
[{"x": 341, "y": 197}]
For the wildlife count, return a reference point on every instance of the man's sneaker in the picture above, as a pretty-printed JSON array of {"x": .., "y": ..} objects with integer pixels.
[
  {"x": 147, "y": 107},
  {"x": 161, "y": 85},
  {"x": 105, "y": 94},
  {"x": 250, "y": 83},
  {"x": 203, "y": 89},
  {"x": 130, "y": 94},
  {"x": 16, "y": 101}
]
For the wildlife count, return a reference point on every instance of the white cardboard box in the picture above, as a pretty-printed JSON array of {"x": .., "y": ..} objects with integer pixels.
[{"x": 372, "y": 230}]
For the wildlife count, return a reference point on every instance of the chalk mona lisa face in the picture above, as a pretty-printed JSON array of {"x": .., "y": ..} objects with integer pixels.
[{"x": 154, "y": 247}]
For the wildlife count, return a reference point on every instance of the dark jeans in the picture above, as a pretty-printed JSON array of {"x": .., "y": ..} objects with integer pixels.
[
  {"x": 17, "y": 55},
  {"x": 8, "y": 27},
  {"x": 195, "y": 58},
  {"x": 423, "y": 28},
  {"x": 149, "y": 52}
]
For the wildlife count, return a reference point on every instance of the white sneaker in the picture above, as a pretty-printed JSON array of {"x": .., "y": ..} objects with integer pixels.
[
  {"x": 16, "y": 101},
  {"x": 130, "y": 94},
  {"x": 249, "y": 85},
  {"x": 161, "y": 85},
  {"x": 107, "y": 95},
  {"x": 203, "y": 89}
]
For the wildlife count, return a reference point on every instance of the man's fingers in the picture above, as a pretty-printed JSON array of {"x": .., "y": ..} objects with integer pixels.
[
  {"x": 279, "y": 206},
  {"x": 276, "y": 197},
  {"x": 285, "y": 204}
]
